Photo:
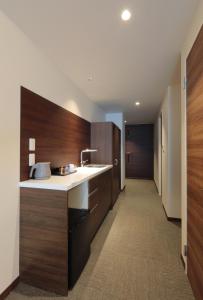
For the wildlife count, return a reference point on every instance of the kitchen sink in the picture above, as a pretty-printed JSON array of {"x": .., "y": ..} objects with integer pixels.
[{"x": 95, "y": 166}]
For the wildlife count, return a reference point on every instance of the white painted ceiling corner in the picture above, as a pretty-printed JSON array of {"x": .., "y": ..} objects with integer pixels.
[{"x": 88, "y": 39}]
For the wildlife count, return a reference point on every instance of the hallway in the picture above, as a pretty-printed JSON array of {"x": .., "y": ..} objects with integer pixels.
[{"x": 135, "y": 255}]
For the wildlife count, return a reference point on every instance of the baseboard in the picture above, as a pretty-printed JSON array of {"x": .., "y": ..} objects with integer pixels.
[
  {"x": 140, "y": 178},
  {"x": 173, "y": 219},
  {"x": 123, "y": 189},
  {"x": 182, "y": 259},
  {"x": 10, "y": 288},
  {"x": 156, "y": 186},
  {"x": 170, "y": 219}
]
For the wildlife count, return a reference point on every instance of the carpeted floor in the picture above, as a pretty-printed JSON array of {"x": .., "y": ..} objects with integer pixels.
[{"x": 135, "y": 255}]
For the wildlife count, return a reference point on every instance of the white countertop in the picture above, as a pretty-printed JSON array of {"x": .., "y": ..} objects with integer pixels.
[{"x": 65, "y": 183}]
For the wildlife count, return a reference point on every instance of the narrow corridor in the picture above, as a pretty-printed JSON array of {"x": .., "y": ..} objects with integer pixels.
[{"x": 135, "y": 255}]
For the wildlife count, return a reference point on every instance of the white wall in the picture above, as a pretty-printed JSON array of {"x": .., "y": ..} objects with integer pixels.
[
  {"x": 23, "y": 64},
  {"x": 165, "y": 150},
  {"x": 189, "y": 41},
  {"x": 175, "y": 151},
  {"x": 156, "y": 152},
  {"x": 117, "y": 118},
  {"x": 168, "y": 151}
]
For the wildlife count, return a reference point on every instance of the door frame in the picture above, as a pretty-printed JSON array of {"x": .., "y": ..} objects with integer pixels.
[{"x": 160, "y": 154}]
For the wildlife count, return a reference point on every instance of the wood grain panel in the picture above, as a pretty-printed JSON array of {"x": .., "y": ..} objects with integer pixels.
[
  {"x": 102, "y": 139},
  {"x": 106, "y": 137},
  {"x": 195, "y": 165},
  {"x": 44, "y": 239},
  {"x": 139, "y": 151},
  {"x": 103, "y": 199},
  {"x": 60, "y": 135}
]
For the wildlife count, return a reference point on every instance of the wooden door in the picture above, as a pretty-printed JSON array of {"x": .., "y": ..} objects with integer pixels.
[
  {"x": 139, "y": 151},
  {"x": 116, "y": 162},
  {"x": 195, "y": 165}
]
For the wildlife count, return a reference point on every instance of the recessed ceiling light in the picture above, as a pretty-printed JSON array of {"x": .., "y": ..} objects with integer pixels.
[
  {"x": 125, "y": 15},
  {"x": 137, "y": 103},
  {"x": 125, "y": 121}
]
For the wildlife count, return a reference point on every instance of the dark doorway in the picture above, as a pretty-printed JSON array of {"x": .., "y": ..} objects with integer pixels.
[{"x": 139, "y": 151}]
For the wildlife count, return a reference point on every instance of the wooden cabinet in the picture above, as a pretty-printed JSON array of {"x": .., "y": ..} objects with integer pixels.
[
  {"x": 85, "y": 223},
  {"x": 78, "y": 244},
  {"x": 106, "y": 137},
  {"x": 44, "y": 239},
  {"x": 55, "y": 242},
  {"x": 99, "y": 201}
]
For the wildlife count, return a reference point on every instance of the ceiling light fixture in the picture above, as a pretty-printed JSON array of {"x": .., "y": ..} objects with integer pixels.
[
  {"x": 137, "y": 103},
  {"x": 125, "y": 121},
  {"x": 125, "y": 15}
]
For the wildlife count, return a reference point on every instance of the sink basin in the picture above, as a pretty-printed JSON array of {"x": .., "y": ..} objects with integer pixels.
[{"x": 95, "y": 166}]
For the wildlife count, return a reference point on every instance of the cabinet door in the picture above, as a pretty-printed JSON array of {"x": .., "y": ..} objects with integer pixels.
[
  {"x": 78, "y": 244},
  {"x": 116, "y": 163},
  {"x": 105, "y": 193},
  {"x": 101, "y": 139},
  {"x": 99, "y": 201}
]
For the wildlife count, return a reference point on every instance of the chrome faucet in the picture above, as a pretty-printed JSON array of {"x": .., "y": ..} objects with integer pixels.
[{"x": 83, "y": 162}]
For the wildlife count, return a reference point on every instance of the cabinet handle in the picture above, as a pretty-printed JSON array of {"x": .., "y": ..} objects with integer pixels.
[
  {"x": 93, "y": 192},
  {"x": 91, "y": 211}
]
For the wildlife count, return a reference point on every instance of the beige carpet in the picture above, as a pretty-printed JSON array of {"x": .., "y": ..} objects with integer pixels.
[{"x": 135, "y": 255}]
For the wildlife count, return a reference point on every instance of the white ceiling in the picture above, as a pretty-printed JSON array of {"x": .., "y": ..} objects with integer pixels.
[{"x": 129, "y": 62}]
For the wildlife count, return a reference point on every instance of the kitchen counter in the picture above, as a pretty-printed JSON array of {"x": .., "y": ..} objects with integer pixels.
[
  {"x": 46, "y": 208},
  {"x": 65, "y": 183}
]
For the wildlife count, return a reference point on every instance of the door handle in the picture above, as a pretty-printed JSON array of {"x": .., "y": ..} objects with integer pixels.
[
  {"x": 115, "y": 162},
  {"x": 128, "y": 156},
  {"x": 93, "y": 192}
]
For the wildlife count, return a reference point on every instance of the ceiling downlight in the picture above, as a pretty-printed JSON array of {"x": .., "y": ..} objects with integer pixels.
[{"x": 126, "y": 15}]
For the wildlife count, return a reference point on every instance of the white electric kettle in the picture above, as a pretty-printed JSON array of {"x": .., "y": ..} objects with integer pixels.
[{"x": 40, "y": 170}]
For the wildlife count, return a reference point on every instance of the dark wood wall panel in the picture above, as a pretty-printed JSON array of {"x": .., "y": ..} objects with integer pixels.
[
  {"x": 60, "y": 135},
  {"x": 139, "y": 151},
  {"x": 195, "y": 165}
]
